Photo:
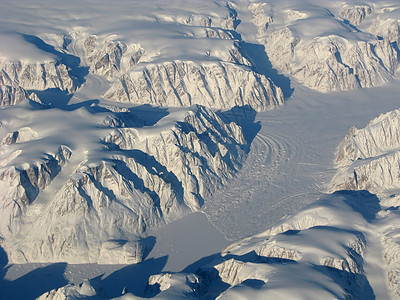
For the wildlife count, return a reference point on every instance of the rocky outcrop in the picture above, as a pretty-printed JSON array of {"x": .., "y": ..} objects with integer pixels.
[
  {"x": 386, "y": 26},
  {"x": 182, "y": 84},
  {"x": 111, "y": 58},
  {"x": 355, "y": 14},
  {"x": 367, "y": 158},
  {"x": 86, "y": 289},
  {"x": 37, "y": 76},
  {"x": 152, "y": 176},
  {"x": 21, "y": 186},
  {"x": 331, "y": 63},
  {"x": 11, "y": 95},
  {"x": 391, "y": 256},
  {"x": 273, "y": 258},
  {"x": 325, "y": 52}
]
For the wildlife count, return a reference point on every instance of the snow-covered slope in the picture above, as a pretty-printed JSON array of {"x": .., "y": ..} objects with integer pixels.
[
  {"x": 179, "y": 83},
  {"x": 368, "y": 158},
  {"x": 37, "y": 76},
  {"x": 109, "y": 128},
  {"x": 329, "y": 45},
  {"x": 315, "y": 253},
  {"x": 84, "y": 179},
  {"x": 146, "y": 176},
  {"x": 85, "y": 290},
  {"x": 17, "y": 77},
  {"x": 223, "y": 78},
  {"x": 179, "y": 58}
]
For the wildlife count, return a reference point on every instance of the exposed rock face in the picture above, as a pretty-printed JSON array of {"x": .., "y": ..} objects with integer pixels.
[
  {"x": 331, "y": 63},
  {"x": 100, "y": 213},
  {"x": 368, "y": 157},
  {"x": 71, "y": 291},
  {"x": 355, "y": 14},
  {"x": 262, "y": 17},
  {"x": 111, "y": 58},
  {"x": 21, "y": 135},
  {"x": 325, "y": 52},
  {"x": 391, "y": 255},
  {"x": 332, "y": 256},
  {"x": 37, "y": 76},
  {"x": 17, "y": 77},
  {"x": 172, "y": 286},
  {"x": 221, "y": 80},
  {"x": 21, "y": 186},
  {"x": 218, "y": 85},
  {"x": 386, "y": 26},
  {"x": 11, "y": 95}
]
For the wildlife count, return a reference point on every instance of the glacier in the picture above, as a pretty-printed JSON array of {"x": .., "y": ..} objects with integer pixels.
[{"x": 117, "y": 133}]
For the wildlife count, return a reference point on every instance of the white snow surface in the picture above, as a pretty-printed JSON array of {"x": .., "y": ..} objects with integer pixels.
[
  {"x": 105, "y": 188},
  {"x": 91, "y": 173},
  {"x": 308, "y": 170},
  {"x": 331, "y": 45}
]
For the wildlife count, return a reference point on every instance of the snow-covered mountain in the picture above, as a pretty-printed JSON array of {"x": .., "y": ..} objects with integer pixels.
[
  {"x": 315, "y": 253},
  {"x": 179, "y": 83},
  {"x": 331, "y": 45},
  {"x": 85, "y": 178},
  {"x": 368, "y": 158},
  {"x": 146, "y": 176},
  {"x": 345, "y": 245},
  {"x": 117, "y": 119}
]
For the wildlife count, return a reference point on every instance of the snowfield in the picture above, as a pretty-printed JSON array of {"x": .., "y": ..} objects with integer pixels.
[{"x": 216, "y": 150}]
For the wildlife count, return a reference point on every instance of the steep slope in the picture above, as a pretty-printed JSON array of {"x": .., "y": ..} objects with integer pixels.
[
  {"x": 221, "y": 78},
  {"x": 117, "y": 174},
  {"x": 40, "y": 67},
  {"x": 217, "y": 85},
  {"x": 368, "y": 158},
  {"x": 345, "y": 245},
  {"x": 86, "y": 176},
  {"x": 11, "y": 94},
  {"x": 329, "y": 46},
  {"x": 37, "y": 76},
  {"x": 145, "y": 177},
  {"x": 315, "y": 253}
]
